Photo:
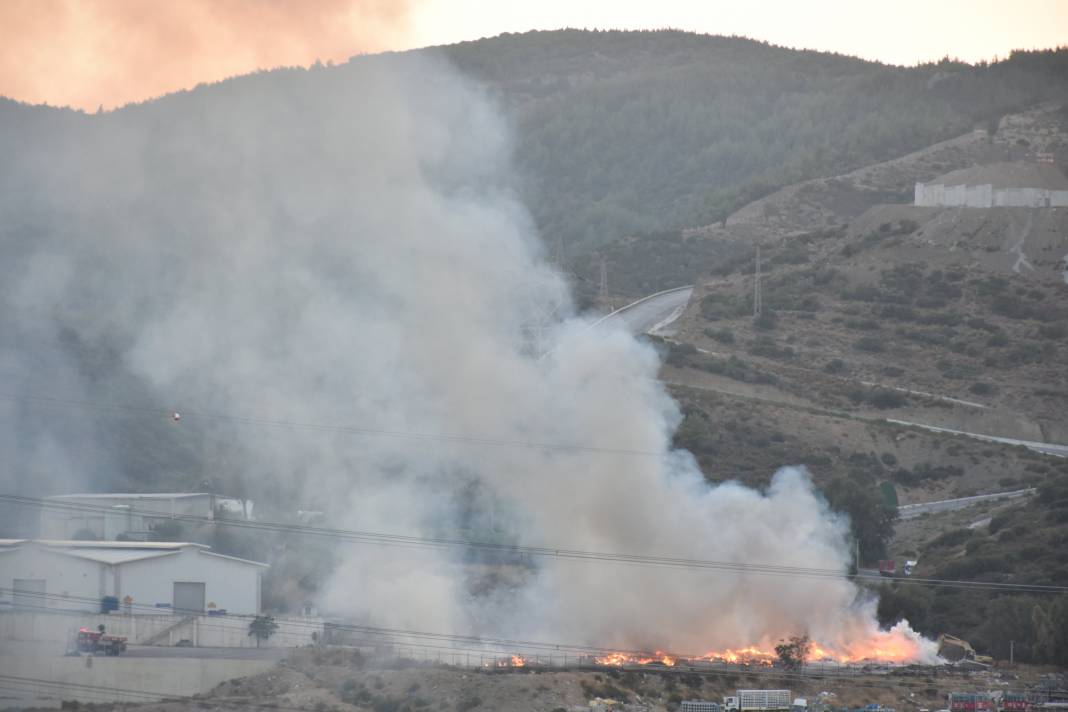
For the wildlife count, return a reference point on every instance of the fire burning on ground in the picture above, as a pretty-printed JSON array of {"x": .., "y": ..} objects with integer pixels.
[
  {"x": 510, "y": 661},
  {"x": 620, "y": 659},
  {"x": 899, "y": 646}
]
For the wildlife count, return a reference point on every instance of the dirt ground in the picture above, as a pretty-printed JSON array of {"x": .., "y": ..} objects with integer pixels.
[{"x": 346, "y": 680}]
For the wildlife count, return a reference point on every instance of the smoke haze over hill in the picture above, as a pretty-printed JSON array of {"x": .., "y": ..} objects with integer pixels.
[{"x": 108, "y": 53}]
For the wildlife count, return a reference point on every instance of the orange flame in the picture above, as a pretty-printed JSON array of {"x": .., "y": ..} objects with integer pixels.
[
  {"x": 750, "y": 654},
  {"x": 895, "y": 646},
  {"x": 620, "y": 659},
  {"x": 512, "y": 661},
  {"x": 616, "y": 659}
]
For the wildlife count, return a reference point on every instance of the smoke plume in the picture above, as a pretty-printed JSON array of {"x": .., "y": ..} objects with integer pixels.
[{"x": 344, "y": 247}]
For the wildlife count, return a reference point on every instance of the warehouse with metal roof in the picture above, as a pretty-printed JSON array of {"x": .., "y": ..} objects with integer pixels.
[{"x": 127, "y": 577}]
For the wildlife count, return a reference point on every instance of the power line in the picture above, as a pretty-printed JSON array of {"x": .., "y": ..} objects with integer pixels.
[
  {"x": 331, "y": 428},
  {"x": 758, "y": 301},
  {"x": 387, "y": 539}
]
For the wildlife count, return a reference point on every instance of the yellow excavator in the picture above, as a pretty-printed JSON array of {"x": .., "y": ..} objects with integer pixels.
[{"x": 956, "y": 649}]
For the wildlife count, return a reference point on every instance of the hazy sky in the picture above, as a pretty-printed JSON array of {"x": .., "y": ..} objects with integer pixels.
[{"x": 86, "y": 53}]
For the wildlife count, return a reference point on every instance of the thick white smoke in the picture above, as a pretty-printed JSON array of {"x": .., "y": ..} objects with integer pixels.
[{"x": 344, "y": 247}]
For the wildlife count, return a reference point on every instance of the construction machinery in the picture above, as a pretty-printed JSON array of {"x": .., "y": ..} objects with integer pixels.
[{"x": 956, "y": 650}]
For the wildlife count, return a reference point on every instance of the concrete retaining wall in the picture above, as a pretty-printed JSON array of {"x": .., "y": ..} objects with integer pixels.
[
  {"x": 985, "y": 196},
  {"x": 103, "y": 679},
  {"x": 165, "y": 630}
]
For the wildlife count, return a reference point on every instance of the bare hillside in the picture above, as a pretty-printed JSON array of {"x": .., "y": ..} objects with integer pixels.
[{"x": 824, "y": 202}]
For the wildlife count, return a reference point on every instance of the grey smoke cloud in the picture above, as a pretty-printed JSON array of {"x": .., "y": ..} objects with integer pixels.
[{"x": 345, "y": 247}]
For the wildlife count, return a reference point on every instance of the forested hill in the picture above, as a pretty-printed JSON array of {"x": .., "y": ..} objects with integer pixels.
[
  {"x": 632, "y": 132},
  {"x": 625, "y": 133}
]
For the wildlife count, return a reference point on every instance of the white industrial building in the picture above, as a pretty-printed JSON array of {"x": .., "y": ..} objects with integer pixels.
[
  {"x": 130, "y": 515},
  {"x": 143, "y": 577},
  {"x": 997, "y": 185}
]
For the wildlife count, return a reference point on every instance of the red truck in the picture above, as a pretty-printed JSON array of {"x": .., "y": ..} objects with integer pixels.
[
  {"x": 886, "y": 567},
  {"x": 97, "y": 641}
]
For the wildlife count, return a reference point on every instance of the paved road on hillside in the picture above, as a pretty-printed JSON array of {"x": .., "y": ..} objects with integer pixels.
[
  {"x": 909, "y": 511},
  {"x": 653, "y": 312},
  {"x": 1045, "y": 448}
]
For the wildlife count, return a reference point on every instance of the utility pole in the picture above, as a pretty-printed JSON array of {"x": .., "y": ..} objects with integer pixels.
[
  {"x": 758, "y": 301},
  {"x": 558, "y": 254},
  {"x": 602, "y": 292},
  {"x": 1012, "y": 651}
]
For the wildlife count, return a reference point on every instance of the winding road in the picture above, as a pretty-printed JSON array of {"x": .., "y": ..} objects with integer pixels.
[
  {"x": 650, "y": 314},
  {"x": 909, "y": 511},
  {"x": 1044, "y": 448}
]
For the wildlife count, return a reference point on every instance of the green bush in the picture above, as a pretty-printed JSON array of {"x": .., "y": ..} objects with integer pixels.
[
  {"x": 836, "y": 365},
  {"x": 999, "y": 521},
  {"x": 765, "y": 346},
  {"x": 723, "y": 336},
  {"x": 1052, "y": 331},
  {"x": 870, "y": 344},
  {"x": 721, "y": 306},
  {"x": 982, "y": 325},
  {"x": 997, "y": 340},
  {"x": 766, "y": 321},
  {"x": 679, "y": 354},
  {"x": 897, "y": 311},
  {"x": 862, "y": 324},
  {"x": 388, "y": 704},
  {"x": 927, "y": 471},
  {"x": 738, "y": 370},
  {"x": 954, "y": 537},
  {"x": 973, "y": 566},
  {"x": 884, "y": 399},
  {"x": 1031, "y": 553}
]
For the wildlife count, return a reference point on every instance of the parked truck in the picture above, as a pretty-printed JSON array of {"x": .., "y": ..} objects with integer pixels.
[
  {"x": 97, "y": 641},
  {"x": 758, "y": 701}
]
